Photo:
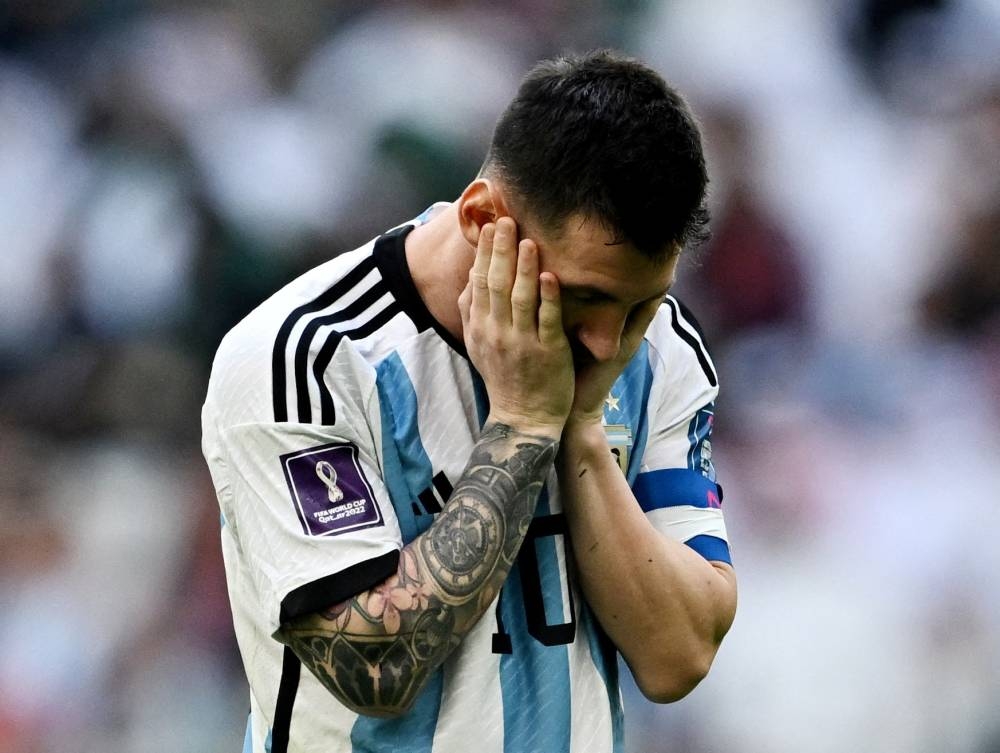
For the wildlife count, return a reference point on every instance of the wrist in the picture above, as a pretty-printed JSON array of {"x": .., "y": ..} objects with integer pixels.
[
  {"x": 583, "y": 448},
  {"x": 584, "y": 434},
  {"x": 551, "y": 430}
]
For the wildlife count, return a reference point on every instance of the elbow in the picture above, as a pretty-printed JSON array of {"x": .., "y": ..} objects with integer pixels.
[
  {"x": 379, "y": 712},
  {"x": 671, "y": 680},
  {"x": 391, "y": 695},
  {"x": 387, "y": 705},
  {"x": 390, "y": 701},
  {"x": 673, "y": 665}
]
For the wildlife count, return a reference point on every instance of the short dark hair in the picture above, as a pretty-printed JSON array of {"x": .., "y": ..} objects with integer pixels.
[{"x": 605, "y": 135}]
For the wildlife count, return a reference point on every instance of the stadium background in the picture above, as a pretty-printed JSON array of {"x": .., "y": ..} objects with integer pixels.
[{"x": 166, "y": 164}]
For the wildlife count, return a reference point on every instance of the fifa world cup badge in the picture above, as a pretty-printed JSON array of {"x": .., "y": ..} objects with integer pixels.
[
  {"x": 620, "y": 441},
  {"x": 329, "y": 490}
]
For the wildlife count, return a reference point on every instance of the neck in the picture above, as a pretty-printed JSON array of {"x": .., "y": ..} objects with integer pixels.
[{"x": 439, "y": 258}]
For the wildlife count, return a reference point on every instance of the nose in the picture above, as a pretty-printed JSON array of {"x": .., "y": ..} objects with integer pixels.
[{"x": 602, "y": 338}]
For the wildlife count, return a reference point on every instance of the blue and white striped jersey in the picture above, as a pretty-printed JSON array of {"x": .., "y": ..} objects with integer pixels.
[{"x": 338, "y": 416}]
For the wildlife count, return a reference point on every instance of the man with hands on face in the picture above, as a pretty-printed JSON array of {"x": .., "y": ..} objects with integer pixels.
[{"x": 463, "y": 466}]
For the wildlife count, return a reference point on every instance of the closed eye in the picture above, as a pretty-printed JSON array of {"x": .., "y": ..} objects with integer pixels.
[{"x": 586, "y": 294}]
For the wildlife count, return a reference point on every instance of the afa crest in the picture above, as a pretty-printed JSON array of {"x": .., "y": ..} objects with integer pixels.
[{"x": 620, "y": 442}]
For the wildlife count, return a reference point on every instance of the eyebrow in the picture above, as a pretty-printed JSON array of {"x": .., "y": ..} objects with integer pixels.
[
  {"x": 590, "y": 291},
  {"x": 594, "y": 292}
]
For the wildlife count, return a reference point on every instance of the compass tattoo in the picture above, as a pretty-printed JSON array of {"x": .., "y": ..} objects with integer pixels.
[{"x": 376, "y": 651}]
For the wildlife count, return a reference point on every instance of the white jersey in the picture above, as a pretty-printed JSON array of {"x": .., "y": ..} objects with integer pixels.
[{"x": 339, "y": 415}]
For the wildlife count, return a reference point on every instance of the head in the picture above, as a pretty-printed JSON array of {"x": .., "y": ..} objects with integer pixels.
[
  {"x": 600, "y": 163},
  {"x": 605, "y": 137}
]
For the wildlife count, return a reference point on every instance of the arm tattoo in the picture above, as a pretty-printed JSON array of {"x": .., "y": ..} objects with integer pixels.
[{"x": 377, "y": 650}]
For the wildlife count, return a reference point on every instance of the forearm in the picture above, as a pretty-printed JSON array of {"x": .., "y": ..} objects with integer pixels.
[
  {"x": 377, "y": 650},
  {"x": 663, "y": 605}
]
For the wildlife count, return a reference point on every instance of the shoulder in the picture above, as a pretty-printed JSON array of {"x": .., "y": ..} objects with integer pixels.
[
  {"x": 255, "y": 364},
  {"x": 680, "y": 357},
  {"x": 677, "y": 337}
]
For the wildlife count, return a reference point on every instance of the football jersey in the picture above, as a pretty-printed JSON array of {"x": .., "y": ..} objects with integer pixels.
[{"x": 339, "y": 415}]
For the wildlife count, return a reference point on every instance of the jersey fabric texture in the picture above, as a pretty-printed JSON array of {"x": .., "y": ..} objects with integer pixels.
[{"x": 339, "y": 415}]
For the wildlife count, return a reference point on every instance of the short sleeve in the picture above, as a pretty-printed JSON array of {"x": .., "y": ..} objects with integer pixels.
[
  {"x": 313, "y": 514},
  {"x": 676, "y": 485},
  {"x": 305, "y": 503}
]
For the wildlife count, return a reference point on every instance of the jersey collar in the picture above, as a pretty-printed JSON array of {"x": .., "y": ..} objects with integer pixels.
[{"x": 390, "y": 257}]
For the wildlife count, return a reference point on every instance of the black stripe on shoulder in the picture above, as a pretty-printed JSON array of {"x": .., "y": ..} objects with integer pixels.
[
  {"x": 327, "y": 298},
  {"x": 696, "y": 345},
  {"x": 328, "y": 414},
  {"x": 695, "y": 324},
  {"x": 355, "y": 309},
  {"x": 288, "y": 688}
]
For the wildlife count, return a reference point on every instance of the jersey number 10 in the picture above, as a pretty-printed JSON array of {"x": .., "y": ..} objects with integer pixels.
[{"x": 531, "y": 590}]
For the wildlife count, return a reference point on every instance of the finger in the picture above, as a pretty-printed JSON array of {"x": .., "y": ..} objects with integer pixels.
[
  {"x": 550, "y": 309},
  {"x": 524, "y": 294},
  {"x": 465, "y": 304},
  {"x": 502, "y": 267},
  {"x": 636, "y": 326},
  {"x": 640, "y": 319},
  {"x": 479, "y": 296}
]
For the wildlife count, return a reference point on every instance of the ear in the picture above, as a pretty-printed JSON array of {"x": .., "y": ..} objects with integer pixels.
[{"x": 480, "y": 203}]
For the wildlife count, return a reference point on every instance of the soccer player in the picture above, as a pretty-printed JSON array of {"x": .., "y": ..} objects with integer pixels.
[{"x": 462, "y": 467}]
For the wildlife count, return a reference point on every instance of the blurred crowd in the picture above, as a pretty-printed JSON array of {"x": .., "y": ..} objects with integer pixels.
[{"x": 165, "y": 165}]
